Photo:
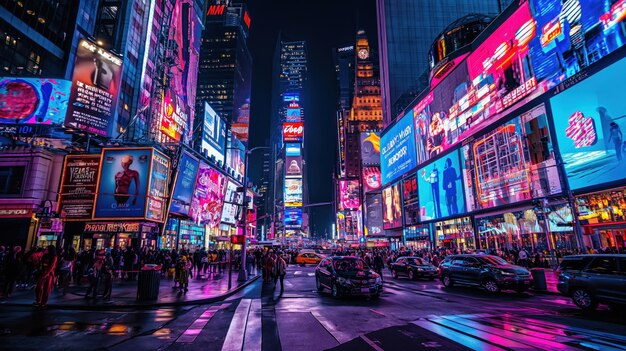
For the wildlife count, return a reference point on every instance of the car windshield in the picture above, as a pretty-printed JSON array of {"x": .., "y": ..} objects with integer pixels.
[
  {"x": 492, "y": 260},
  {"x": 349, "y": 265},
  {"x": 416, "y": 261}
]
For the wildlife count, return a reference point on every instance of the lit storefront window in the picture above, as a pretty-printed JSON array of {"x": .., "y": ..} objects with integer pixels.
[
  {"x": 455, "y": 234},
  {"x": 418, "y": 237},
  {"x": 511, "y": 230}
]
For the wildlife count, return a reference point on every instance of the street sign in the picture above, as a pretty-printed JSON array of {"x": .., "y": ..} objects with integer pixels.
[{"x": 237, "y": 239}]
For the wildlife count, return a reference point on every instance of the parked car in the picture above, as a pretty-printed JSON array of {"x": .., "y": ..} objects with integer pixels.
[
  {"x": 347, "y": 275},
  {"x": 490, "y": 272},
  {"x": 309, "y": 258},
  {"x": 413, "y": 267},
  {"x": 593, "y": 279}
]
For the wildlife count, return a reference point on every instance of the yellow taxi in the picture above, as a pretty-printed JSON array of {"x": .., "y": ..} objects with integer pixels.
[{"x": 309, "y": 258}]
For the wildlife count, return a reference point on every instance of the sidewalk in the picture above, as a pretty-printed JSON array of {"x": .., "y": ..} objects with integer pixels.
[{"x": 203, "y": 289}]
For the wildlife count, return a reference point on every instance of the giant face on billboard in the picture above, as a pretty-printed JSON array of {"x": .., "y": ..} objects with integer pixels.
[
  {"x": 590, "y": 128},
  {"x": 374, "y": 214},
  {"x": 213, "y": 134},
  {"x": 349, "y": 194},
  {"x": 409, "y": 199},
  {"x": 95, "y": 86},
  {"x": 293, "y": 192},
  {"x": 184, "y": 185},
  {"x": 293, "y": 218},
  {"x": 397, "y": 154},
  {"x": 207, "y": 202},
  {"x": 78, "y": 187},
  {"x": 392, "y": 206},
  {"x": 440, "y": 188},
  {"x": 370, "y": 148},
  {"x": 158, "y": 186},
  {"x": 293, "y": 166},
  {"x": 33, "y": 100},
  {"x": 123, "y": 183}
]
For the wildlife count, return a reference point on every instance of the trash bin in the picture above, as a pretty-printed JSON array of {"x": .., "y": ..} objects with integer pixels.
[
  {"x": 148, "y": 283},
  {"x": 539, "y": 279}
]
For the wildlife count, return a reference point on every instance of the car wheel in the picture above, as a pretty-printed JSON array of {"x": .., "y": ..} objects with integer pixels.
[
  {"x": 318, "y": 285},
  {"x": 335, "y": 291},
  {"x": 491, "y": 286},
  {"x": 584, "y": 300},
  {"x": 411, "y": 275},
  {"x": 394, "y": 274},
  {"x": 447, "y": 281}
]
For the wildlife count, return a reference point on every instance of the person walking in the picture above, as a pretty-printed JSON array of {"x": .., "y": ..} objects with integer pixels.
[
  {"x": 11, "y": 265},
  {"x": 280, "y": 271},
  {"x": 95, "y": 274},
  {"x": 107, "y": 275},
  {"x": 379, "y": 264},
  {"x": 47, "y": 266}
]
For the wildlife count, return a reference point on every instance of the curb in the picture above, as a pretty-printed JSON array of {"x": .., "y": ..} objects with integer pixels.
[{"x": 147, "y": 305}]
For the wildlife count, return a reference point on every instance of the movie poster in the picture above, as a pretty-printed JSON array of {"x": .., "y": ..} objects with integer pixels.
[
  {"x": 158, "y": 187},
  {"x": 207, "y": 202},
  {"x": 78, "y": 187},
  {"x": 392, "y": 206},
  {"x": 185, "y": 184}
]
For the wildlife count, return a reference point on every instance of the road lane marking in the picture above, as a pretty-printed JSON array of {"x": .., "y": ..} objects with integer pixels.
[
  {"x": 460, "y": 338},
  {"x": 371, "y": 343},
  {"x": 253, "y": 332},
  {"x": 331, "y": 328},
  {"x": 235, "y": 336},
  {"x": 377, "y": 312},
  {"x": 191, "y": 333}
]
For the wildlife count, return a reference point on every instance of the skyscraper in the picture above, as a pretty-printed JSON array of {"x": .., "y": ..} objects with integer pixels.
[{"x": 406, "y": 30}]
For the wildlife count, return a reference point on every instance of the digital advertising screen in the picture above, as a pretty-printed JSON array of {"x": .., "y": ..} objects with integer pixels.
[
  {"x": 213, "y": 134},
  {"x": 207, "y": 201},
  {"x": 174, "y": 118},
  {"x": 158, "y": 186},
  {"x": 293, "y": 218},
  {"x": 33, "y": 100},
  {"x": 184, "y": 185},
  {"x": 349, "y": 194},
  {"x": 95, "y": 86},
  {"x": 371, "y": 178},
  {"x": 374, "y": 214},
  {"x": 293, "y": 113},
  {"x": 123, "y": 183},
  {"x": 78, "y": 187},
  {"x": 236, "y": 159},
  {"x": 440, "y": 188},
  {"x": 293, "y": 149},
  {"x": 397, "y": 154},
  {"x": 293, "y": 166},
  {"x": 370, "y": 148},
  {"x": 293, "y": 192},
  {"x": 232, "y": 196},
  {"x": 230, "y": 213},
  {"x": 293, "y": 132},
  {"x": 409, "y": 199},
  {"x": 590, "y": 123},
  {"x": 392, "y": 206}
]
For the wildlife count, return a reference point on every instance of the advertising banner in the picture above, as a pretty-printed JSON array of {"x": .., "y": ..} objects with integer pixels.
[
  {"x": 213, "y": 134},
  {"x": 349, "y": 195},
  {"x": 95, "y": 86},
  {"x": 78, "y": 187},
  {"x": 232, "y": 196},
  {"x": 590, "y": 122},
  {"x": 440, "y": 188},
  {"x": 184, "y": 185},
  {"x": 370, "y": 148},
  {"x": 409, "y": 198},
  {"x": 174, "y": 117},
  {"x": 207, "y": 202},
  {"x": 293, "y": 166},
  {"x": 33, "y": 100},
  {"x": 158, "y": 186},
  {"x": 293, "y": 132},
  {"x": 236, "y": 157},
  {"x": 240, "y": 130},
  {"x": 397, "y": 155},
  {"x": 371, "y": 178},
  {"x": 293, "y": 113},
  {"x": 123, "y": 183},
  {"x": 293, "y": 218},
  {"x": 293, "y": 149},
  {"x": 293, "y": 192},
  {"x": 230, "y": 213},
  {"x": 374, "y": 214},
  {"x": 392, "y": 206}
]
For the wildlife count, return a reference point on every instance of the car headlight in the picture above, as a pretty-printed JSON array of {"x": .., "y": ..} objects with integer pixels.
[
  {"x": 420, "y": 269},
  {"x": 497, "y": 271},
  {"x": 343, "y": 281}
]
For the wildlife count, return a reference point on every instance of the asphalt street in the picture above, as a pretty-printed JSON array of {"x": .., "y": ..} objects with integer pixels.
[{"x": 410, "y": 315}]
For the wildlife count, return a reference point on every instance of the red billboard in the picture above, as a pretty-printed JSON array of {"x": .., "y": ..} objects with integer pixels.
[
  {"x": 349, "y": 194},
  {"x": 293, "y": 131}
]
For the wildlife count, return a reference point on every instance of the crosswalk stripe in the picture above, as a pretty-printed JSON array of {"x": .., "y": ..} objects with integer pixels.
[
  {"x": 234, "y": 337},
  {"x": 253, "y": 333},
  {"x": 191, "y": 333},
  {"x": 330, "y": 327}
]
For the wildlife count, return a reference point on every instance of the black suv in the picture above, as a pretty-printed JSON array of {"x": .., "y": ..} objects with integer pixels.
[
  {"x": 347, "y": 275},
  {"x": 593, "y": 279},
  {"x": 491, "y": 272},
  {"x": 413, "y": 267}
]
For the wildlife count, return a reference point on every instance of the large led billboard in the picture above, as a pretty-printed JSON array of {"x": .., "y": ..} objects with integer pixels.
[
  {"x": 293, "y": 149},
  {"x": 293, "y": 113},
  {"x": 440, "y": 188},
  {"x": 349, "y": 194},
  {"x": 397, "y": 153},
  {"x": 232, "y": 195},
  {"x": 374, "y": 214},
  {"x": 157, "y": 192},
  {"x": 236, "y": 155},
  {"x": 184, "y": 184},
  {"x": 95, "y": 87},
  {"x": 213, "y": 134},
  {"x": 293, "y": 167},
  {"x": 293, "y": 132},
  {"x": 371, "y": 178},
  {"x": 392, "y": 206},
  {"x": 293, "y": 192},
  {"x": 409, "y": 199},
  {"x": 590, "y": 126},
  {"x": 230, "y": 213},
  {"x": 207, "y": 201},
  {"x": 78, "y": 187},
  {"x": 33, "y": 100},
  {"x": 293, "y": 218},
  {"x": 370, "y": 148}
]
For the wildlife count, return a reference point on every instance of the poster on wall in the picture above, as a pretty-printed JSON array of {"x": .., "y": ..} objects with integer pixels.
[
  {"x": 158, "y": 186},
  {"x": 440, "y": 188},
  {"x": 123, "y": 183},
  {"x": 374, "y": 214},
  {"x": 371, "y": 178},
  {"x": 370, "y": 148},
  {"x": 213, "y": 134},
  {"x": 95, "y": 86},
  {"x": 392, "y": 206},
  {"x": 590, "y": 124},
  {"x": 41, "y": 101},
  {"x": 184, "y": 185},
  {"x": 207, "y": 202},
  {"x": 397, "y": 153},
  {"x": 78, "y": 187},
  {"x": 293, "y": 166},
  {"x": 409, "y": 199},
  {"x": 349, "y": 194}
]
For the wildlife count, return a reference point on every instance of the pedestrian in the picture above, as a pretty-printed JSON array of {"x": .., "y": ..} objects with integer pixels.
[
  {"x": 183, "y": 267},
  {"x": 95, "y": 274},
  {"x": 45, "y": 278},
  {"x": 11, "y": 266},
  {"x": 107, "y": 275},
  {"x": 280, "y": 271},
  {"x": 379, "y": 265}
]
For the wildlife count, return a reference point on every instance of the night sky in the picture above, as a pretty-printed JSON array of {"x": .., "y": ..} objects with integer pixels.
[{"x": 324, "y": 25}]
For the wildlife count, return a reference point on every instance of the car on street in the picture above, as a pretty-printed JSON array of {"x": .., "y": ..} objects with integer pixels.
[
  {"x": 489, "y": 272},
  {"x": 309, "y": 258},
  {"x": 347, "y": 275},
  {"x": 593, "y": 279},
  {"x": 413, "y": 268}
]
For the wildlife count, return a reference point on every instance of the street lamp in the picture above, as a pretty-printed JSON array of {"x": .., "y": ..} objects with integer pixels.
[{"x": 243, "y": 274}]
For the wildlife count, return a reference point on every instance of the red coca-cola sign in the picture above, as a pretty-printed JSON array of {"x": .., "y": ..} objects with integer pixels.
[{"x": 293, "y": 131}]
